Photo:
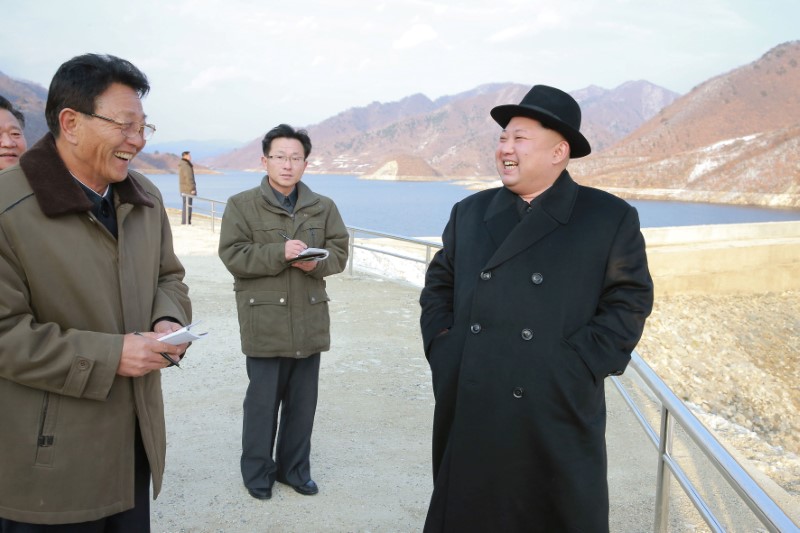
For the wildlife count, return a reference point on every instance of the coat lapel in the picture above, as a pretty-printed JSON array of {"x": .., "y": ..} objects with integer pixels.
[{"x": 512, "y": 237}]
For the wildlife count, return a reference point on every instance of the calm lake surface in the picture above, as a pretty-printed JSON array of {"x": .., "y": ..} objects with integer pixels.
[{"x": 421, "y": 209}]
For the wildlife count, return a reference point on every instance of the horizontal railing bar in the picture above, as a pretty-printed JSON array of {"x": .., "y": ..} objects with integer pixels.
[
  {"x": 393, "y": 254},
  {"x": 691, "y": 493},
  {"x": 648, "y": 429},
  {"x": 759, "y": 502}
]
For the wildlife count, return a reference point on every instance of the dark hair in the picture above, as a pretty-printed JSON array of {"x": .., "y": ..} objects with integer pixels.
[
  {"x": 78, "y": 82},
  {"x": 187, "y": 152},
  {"x": 288, "y": 132},
  {"x": 5, "y": 104}
]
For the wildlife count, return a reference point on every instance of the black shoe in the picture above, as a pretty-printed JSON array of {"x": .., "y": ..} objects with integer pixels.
[
  {"x": 309, "y": 488},
  {"x": 260, "y": 494}
]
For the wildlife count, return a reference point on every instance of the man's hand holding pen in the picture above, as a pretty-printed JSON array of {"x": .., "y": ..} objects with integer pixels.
[
  {"x": 143, "y": 352},
  {"x": 293, "y": 249}
]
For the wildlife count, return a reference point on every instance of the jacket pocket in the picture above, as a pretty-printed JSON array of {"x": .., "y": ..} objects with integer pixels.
[
  {"x": 318, "y": 316},
  {"x": 264, "y": 317},
  {"x": 46, "y": 438},
  {"x": 313, "y": 233}
]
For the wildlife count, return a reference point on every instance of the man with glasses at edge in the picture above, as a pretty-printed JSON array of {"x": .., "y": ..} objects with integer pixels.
[
  {"x": 88, "y": 282},
  {"x": 283, "y": 309}
]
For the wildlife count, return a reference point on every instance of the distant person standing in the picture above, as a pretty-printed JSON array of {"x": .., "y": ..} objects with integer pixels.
[
  {"x": 283, "y": 309},
  {"x": 12, "y": 138},
  {"x": 188, "y": 186},
  {"x": 540, "y": 292}
]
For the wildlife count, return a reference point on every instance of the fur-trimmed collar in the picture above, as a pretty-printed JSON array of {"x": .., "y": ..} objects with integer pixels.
[{"x": 57, "y": 191}]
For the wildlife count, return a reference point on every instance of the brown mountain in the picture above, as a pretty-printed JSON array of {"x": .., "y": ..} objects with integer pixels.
[
  {"x": 30, "y": 98},
  {"x": 453, "y": 136},
  {"x": 609, "y": 116},
  {"x": 733, "y": 139}
]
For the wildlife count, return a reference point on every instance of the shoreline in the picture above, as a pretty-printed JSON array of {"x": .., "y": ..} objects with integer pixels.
[{"x": 477, "y": 183}]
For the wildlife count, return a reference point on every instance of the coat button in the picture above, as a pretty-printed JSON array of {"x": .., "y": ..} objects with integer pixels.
[
  {"x": 519, "y": 392},
  {"x": 313, "y": 299},
  {"x": 537, "y": 278},
  {"x": 282, "y": 300},
  {"x": 475, "y": 328},
  {"x": 526, "y": 334},
  {"x": 252, "y": 300},
  {"x": 83, "y": 364},
  {"x": 486, "y": 276}
]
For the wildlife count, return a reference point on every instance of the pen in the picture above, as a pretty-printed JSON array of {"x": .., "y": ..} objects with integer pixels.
[
  {"x": 172, "y": 361},
  {"x": 282, "y": 234}
]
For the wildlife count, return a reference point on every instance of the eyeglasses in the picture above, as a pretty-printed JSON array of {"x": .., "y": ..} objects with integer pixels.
[
  {"x": 281, "y": 159},
  {"x": 129, "y": 129}
]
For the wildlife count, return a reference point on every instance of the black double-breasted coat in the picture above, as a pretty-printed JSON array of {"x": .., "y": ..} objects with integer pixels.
[{"x": 522, "y": 319}]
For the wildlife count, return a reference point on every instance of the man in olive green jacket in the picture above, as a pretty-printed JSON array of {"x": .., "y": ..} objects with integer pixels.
[
  {"x": 283, "y": 308},
  {"x": 86, "y": 261}
]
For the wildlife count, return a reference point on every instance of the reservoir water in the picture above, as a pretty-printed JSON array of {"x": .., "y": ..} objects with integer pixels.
[{"x": 421, "y": 209}]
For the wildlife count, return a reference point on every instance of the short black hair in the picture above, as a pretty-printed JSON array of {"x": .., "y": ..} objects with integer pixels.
[
  {"x": 78, "y": 82},
  {"x": 185, "y": 153},
  {"x": 286, "y": 131},
  {"x": 5, "y": 104}
]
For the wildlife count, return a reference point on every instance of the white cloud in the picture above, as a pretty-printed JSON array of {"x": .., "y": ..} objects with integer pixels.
[
  {"x": 214, "y": 75},
  {"x": 545, "y": 19},
  {"x": 415, "y": 36},
  {"x": 246, "y": 54},
  {"x": 507, "y": 34}
]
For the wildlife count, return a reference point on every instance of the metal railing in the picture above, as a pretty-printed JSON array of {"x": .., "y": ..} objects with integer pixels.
[
  {"x": 211, "y": 211},
  {"x": 672, "y": 411},
  {"x": 430, "y": 247},
  {"x": 216, "y": 208}
]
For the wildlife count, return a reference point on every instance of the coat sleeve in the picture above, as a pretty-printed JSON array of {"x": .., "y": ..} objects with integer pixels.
[
  {"x": 171, "y": 298},
  {"x": 436, "y": 298},
  {"x": 337, "y": 240},
  {"x": 606, "y": 342},
  {"x": 241, "y": 255}
]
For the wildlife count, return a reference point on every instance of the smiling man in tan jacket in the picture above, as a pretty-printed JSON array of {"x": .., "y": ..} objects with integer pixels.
[{"x": 88, "y": 281}]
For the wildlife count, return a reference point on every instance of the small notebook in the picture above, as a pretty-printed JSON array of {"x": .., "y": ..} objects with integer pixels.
[
  {"x": 311, "y": 254},
  {"x": 185, "y": 334}
]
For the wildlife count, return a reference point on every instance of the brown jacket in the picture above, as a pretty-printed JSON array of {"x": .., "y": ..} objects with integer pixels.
[
  {"x": 186, "y": 177},
  {"x": 68, "y": 293}
]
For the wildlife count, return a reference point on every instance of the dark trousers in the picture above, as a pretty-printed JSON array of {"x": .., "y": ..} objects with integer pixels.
[
  {"x": 186, "y": 211},
  {"x": 136, "y": 520},
  {"x": 290, "y": 386}
]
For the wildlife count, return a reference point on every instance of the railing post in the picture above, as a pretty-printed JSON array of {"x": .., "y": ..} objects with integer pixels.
[
  {"x": 352, "y": 250},
  {"x": 663, "y": 473}
]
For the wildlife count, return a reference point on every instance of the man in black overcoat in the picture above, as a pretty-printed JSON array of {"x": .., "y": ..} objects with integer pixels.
[{"x": 540, "y": 292}]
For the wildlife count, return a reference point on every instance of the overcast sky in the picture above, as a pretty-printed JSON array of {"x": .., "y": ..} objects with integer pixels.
[{"x": 232, "y": 69}]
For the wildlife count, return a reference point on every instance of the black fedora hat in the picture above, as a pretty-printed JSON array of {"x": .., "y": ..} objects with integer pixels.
[{"x": 555, "y": 109}]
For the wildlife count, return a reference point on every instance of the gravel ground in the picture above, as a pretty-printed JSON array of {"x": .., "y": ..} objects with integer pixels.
[{"x": 736, "y": 360}]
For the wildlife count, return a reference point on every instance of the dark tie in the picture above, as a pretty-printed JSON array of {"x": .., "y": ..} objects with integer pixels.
[{"x": 104, "y": 212}]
